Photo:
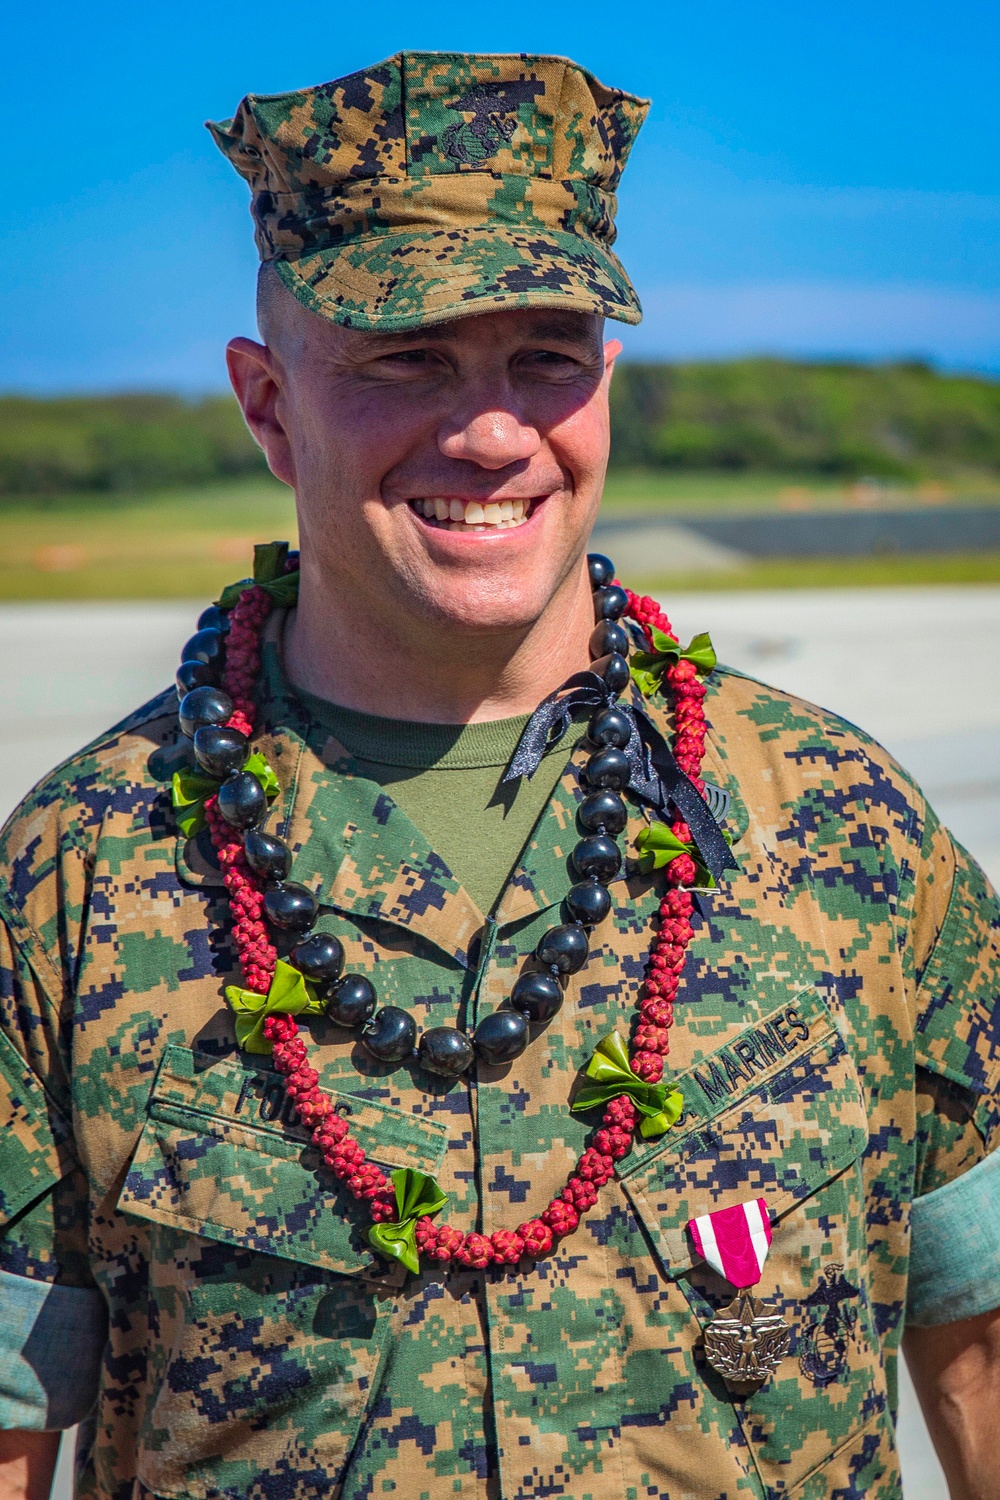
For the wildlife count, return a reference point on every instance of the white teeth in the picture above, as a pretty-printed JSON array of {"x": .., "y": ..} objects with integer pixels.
[{"x": 458, "y": 515}]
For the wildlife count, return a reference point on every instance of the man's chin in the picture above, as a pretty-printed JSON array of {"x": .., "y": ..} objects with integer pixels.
[
  {"x": 490, "y": 604},
  {"x": 504, "y": 581}
]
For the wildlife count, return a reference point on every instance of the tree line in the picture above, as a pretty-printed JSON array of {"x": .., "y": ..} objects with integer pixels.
[{"x": 902, "y": 421}]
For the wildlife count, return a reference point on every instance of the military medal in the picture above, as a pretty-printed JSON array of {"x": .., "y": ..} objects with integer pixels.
[{"x": 748, "y": 1339}]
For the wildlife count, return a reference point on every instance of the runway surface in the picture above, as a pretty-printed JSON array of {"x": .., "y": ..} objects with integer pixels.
[
  {"x": 918, "y": 668},
  {"x": 747, "y": 535}
]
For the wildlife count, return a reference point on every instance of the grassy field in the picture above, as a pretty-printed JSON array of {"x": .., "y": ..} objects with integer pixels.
[
  {"x": 657, "y": 491},
  {"x": 834, "y": 572},
  {"x": 184, "y": 544},
  {"x": 188, "y": 543}
]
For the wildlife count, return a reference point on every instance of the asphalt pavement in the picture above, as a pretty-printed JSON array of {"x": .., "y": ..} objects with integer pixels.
[
  {"x": 850, "y": 532},
  {"x": 919, "y": 668}
]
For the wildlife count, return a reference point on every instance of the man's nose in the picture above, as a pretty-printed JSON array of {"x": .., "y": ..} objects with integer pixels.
[{"x": 492, "y": 439}]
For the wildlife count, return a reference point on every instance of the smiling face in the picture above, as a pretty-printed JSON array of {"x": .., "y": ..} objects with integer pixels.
[{"x": 452, "y": 473}]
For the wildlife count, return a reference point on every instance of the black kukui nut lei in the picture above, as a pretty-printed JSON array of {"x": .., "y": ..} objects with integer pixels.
[
  {"x": 610, "y": 602},
  {"x": 597, "y": 858},
  {"x": 390, "y": 1034},
  {"x": 614, "y": 669},
  {"x": 588, "y": 902},
  {"x": 563, "y": 949},
  {"x": 537, "y": 996},
  {"x": 600, "y": 569},
  {"x": 501, "y": 1037},
  {"x": 610, "y": 727},
  {"x": 203, "y": 705},
  {"x": 352, "y": 1001},
  {"x": 290, "y": 906},
  {"x": 195, "y": 674},
  {"x": 446, "y": 1051},
  {"x": 608, "y": 770},
  {"x": 603, "y": 812},
  {"x": 206, "y": 646},
  {"x": 320, "y": 957},
  {"x": 220, "y": 751},
  {"x": 267, "y": 856},
  {"x": 214, "y": 618},
  {"x": 241, "y": 800},
  {"x": 609, "y": 637}
]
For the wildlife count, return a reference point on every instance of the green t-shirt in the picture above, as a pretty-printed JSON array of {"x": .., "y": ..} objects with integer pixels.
[{"x": 447, "y": 779}]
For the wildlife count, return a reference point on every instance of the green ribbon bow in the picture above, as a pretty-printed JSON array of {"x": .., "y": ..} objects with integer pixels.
[
  {"x": 269, "y": 574},
  {"x": 648, "y": 667},
  {"x": 192, "y": 788},
  {"x": 659, "y": 846},
  {"x": 190, "y": 791},
  {"x": 612, "y": 1076},
  {"x": 289, "y": 995},
  {"x": 416, "y": 1195}
]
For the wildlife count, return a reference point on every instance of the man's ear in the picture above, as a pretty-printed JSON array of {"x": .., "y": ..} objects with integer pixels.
[
  {"x": 612, "y": 349},
  {"x": 256, "y": 379}
]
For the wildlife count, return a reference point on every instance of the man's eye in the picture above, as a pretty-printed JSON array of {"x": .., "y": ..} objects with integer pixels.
[
  {"x": 412, "y": 356},
  {"x": 407, "y": 359},
  {"x": 551, "y": 359}
]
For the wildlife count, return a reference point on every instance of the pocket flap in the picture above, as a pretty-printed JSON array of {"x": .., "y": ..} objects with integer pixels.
[
  {"x": 223, "y": 1155},
  {"x": 773, "y": 1115}
]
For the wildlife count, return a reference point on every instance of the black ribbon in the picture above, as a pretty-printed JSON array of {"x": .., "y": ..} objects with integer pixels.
[{"x": 655, "y": 777}]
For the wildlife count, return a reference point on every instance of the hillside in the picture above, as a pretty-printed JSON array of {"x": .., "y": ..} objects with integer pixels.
[
  {"x": 901, "y": 421},
  {"x": 128, "y": 443}
]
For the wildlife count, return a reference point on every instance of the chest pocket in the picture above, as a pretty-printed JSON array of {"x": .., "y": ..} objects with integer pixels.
[
  {"x": 267, "y": 1308},
  {"x": 779, "y": 1114},
  {"x": 222, "y": 1155}
]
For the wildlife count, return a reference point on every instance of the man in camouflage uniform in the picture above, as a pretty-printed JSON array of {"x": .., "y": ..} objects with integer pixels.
[{"x": 178, "y": 1272}]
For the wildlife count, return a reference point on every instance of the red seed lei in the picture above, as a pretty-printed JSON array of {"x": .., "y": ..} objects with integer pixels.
[{"x": 650, "y": 1041}]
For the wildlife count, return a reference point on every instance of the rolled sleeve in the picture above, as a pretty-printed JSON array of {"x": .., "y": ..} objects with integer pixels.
[
  {"x": 955, "y": 1248},
  {"x": 51, "y": 1343}
]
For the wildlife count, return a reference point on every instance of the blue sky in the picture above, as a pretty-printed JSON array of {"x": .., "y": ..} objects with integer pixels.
[{"x": 816, "y": 180}]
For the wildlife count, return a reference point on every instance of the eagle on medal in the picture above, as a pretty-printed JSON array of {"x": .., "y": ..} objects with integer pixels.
[{"x": 746, "y": 1342}]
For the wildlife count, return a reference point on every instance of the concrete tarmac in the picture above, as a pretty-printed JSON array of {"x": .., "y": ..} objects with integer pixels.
[{"x": 918, "y": 668}]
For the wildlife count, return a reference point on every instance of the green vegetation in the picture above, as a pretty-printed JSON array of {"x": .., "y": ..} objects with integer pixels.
[
  {"x": 900, "y": 421},
  {"x": 680, "y": 425},
  {"x": 101, "y": 445}
]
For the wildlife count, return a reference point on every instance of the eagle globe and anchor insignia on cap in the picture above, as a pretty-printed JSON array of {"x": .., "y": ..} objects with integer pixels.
[
  {"x": 747, "y": 1340},
  {"x": 493, "y": 107}
]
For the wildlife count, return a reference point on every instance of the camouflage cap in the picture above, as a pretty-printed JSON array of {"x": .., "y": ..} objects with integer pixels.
[{"x": 438, "y": 184}]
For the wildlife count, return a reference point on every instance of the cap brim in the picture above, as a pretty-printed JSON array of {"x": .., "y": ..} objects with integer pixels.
[{"x": 390, "y": 283}]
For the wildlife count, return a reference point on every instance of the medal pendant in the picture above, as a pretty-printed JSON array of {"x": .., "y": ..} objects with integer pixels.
[{"x": 746, "y": 1341}]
